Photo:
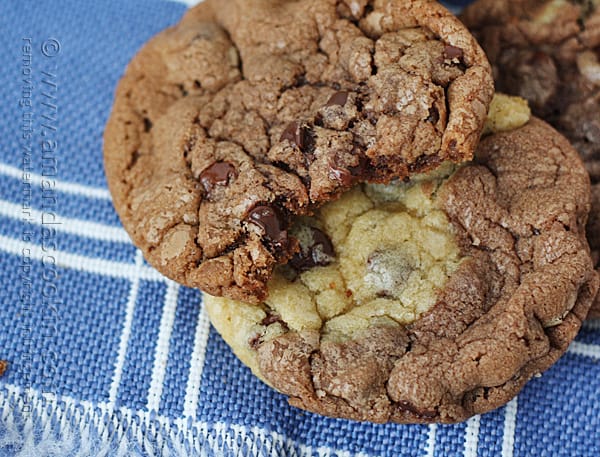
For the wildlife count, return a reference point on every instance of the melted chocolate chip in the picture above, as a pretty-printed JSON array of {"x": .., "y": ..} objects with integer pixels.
[
  {"x": 317, "y": 252},
  {"x": 299, "y": 135},
  {"x": 388, "y": 271},
  {"x": 339, "y": 98},
  {"x": 218, "y": 174},
  {"x": 425, "y": 161},
  {"x": 272, "y": 318},
  {"x": 255, "y": 341},
  {"x": 266, "y": 218},
  {"x": 452, "y": 145},
  {"x": 452, "y": 52},
  {"x": 362, "y": 167},
  {"x": 347, "y": 175},
  {"x": 340, "y": 174}
]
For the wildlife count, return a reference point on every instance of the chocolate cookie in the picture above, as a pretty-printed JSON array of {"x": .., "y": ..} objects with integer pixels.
[
  {"x": 549, "y": 53},
  {"x": 248, "y": 113},
  {"x": 433, "y": 300}
]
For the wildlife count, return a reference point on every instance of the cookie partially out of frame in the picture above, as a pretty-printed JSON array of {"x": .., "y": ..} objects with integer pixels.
[
  {"x": 248, "y": 113},
  {"x": 429, "y": 301},
  {"x": 548, "y": 51}
]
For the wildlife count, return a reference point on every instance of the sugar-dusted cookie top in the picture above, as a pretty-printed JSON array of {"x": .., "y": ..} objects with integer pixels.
[{"x": 248, "y": 113}]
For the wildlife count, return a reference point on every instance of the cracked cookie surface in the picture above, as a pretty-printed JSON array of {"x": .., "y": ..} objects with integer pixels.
[
  {"x": 248, "y": 113},
  {"x": 548, "y": 52},
  {"x": 436, "y": 321}
]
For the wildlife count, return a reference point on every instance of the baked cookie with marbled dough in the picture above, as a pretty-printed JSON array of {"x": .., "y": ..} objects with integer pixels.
[
  {"x": 548, "y": 51},
  {"x": 249, "y": 113},
  {"x": 432, "y": 300}
]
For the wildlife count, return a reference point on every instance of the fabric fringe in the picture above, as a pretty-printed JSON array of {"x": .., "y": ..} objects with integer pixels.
[{"x": 33, "y": 424}]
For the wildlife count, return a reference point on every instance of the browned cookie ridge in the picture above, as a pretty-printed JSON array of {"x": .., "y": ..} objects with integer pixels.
[
  {"x": 239, "y": 118},
  {"x": 507, "y": 311},
  {"x": 548, "y": 51}
]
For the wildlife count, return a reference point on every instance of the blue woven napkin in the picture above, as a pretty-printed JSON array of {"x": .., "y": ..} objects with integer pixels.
[{"x": 107, "y": 357}]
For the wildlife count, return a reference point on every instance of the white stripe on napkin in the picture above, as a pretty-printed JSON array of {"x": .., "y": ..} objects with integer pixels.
[
  {"x": 81, "y": 263},
  {"x": 588, "y": 350},
  {"x": 161, "y": 353},
  {"x": 78, "y": 227},
  {"x": 192, "y": 388},
  {"x": 190, "y": 3},
  {"x": 125, "y": 334},
  {"x": 510, "y": 425},
  {"x": 430, "y": 449},
  {"x": 62, "y": 186},
  {"x": 472, "y": 437}
]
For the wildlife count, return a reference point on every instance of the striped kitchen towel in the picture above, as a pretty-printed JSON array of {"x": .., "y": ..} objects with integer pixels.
[{"x": 106, "y": 356}]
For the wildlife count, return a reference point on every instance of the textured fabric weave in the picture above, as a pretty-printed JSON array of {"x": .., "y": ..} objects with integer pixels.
[{"x": 107, "y": 357}]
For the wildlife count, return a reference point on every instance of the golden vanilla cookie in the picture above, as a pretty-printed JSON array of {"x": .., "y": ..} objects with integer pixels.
[{"x": 430, "y": 300}]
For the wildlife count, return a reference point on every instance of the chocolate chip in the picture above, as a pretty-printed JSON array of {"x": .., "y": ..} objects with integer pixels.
[
  {"x": 292, "y": 133},
  {"x": 218, "y": 174},
  {"x": 342, "y": 175},
  {"x": 182, "y": 90},
  {"x": 266, "y": 218},
  {"x": 301, "y": 80},
  {"x": 371, "y": 117},
  {"x": 316, "y": 249},
  {"x": 452, "y": 52},
  {"x": 319, "y": 120},
  {"x": 339, "y": 98},
  {"x": 299, "y": 135},
  {"x": 147, "y": 124},
  {"x": 434, "y": 115},
  {"x": 134, "y": 158}
]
